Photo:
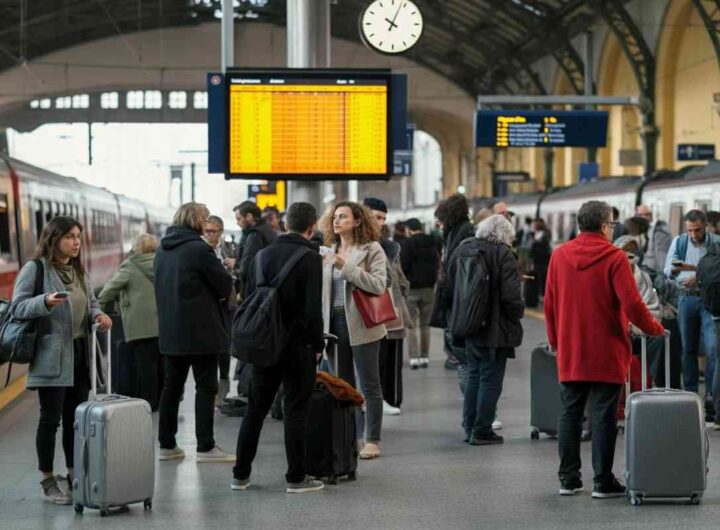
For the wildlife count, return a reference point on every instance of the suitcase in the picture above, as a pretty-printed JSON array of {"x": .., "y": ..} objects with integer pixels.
[
  {"x": 391, "y": 359},
  {"x": 530, "y": 293},
  {"x": 666, "y": 442},
  {"x": 544, "y": 392},
  {"x": 123, "y": 361},
  {"x": 331, "y": 448},
  {"x": 114, "y": 447}
]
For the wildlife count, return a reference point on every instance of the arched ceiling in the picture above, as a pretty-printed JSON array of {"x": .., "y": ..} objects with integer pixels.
[{"x": 484, "y": 46}]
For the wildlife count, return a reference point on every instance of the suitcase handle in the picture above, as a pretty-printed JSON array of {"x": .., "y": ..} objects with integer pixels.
[
  {"x": 93, "y": 363},
  {"x": 643, "y": 362}
]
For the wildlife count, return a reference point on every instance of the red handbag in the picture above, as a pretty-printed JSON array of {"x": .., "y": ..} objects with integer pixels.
[{"x": 375, "y": 309}]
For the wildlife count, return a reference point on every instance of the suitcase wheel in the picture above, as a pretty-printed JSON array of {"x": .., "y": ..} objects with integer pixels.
[
  {"x": 332, "y": 480},
  {"x": 104, "y": 512},
  {"x": 534, "y": 434},
  {"x": 636, "y": 501},
  {"x": 79, "y": 508},
  {"x": 352, "y": 476},
  {"x": 147, "y": 504},
  {"x": 695, "y": 500}
]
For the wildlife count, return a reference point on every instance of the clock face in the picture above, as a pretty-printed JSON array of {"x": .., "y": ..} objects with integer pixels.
[{"x": 391, "y": 26}]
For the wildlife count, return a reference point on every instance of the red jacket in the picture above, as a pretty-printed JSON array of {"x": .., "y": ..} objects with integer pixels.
[{"x": 589, "y": 297}]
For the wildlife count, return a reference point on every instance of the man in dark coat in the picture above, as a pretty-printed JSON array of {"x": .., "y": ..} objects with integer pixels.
[
  {"x": 256, "y": 235},
  {"x": 192, "y": 288},
  {"x": 300, "y": 296}
]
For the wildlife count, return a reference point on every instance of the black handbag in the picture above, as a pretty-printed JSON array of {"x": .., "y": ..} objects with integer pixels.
[
  {"x": 438, "y": 317},
  {"x": 17, "y": 337}
]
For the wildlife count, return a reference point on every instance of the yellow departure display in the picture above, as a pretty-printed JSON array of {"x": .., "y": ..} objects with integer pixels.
[{"x": 308, "y": 127}]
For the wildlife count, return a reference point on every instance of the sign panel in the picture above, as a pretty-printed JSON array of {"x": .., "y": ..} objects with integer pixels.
[
  {"x": 403, "y": 164},
  {"x": 696, "y": 152},
  {"x": 511, "y": 176},
  {"x": 540, "y": 128},
  {"x": 309, "y": 124},
  {"x": 588, "y": 171}
]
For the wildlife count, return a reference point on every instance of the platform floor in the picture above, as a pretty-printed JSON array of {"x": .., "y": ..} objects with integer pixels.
[{"x": 427, "y": 477}]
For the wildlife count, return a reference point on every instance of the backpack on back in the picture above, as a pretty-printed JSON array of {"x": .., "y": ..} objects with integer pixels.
[
  {"x": 258, "y": 333},
  {"x": 708, "y": 276},
  {"x": 471, "y": 292}
]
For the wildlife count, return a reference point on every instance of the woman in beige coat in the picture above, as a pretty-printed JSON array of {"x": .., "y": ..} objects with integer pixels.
[{"x": 355, "y": 260}]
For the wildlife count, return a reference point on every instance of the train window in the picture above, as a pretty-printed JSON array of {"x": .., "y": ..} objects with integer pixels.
[
  {"x": 39, "y": 220},
  {"x": 704, "y": 205},
  {"x": 677, "y": 211},
  {"x": 561, "y": 226},
  {"x": 5, "y": 245},
  {"x": 48, "y": 211}
]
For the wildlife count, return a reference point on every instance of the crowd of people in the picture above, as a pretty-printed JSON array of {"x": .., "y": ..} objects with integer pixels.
[{"x": 177, "y": 298}]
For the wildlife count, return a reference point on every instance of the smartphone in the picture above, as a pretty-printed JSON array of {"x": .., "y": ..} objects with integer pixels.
[
  {"x": 677, "y": 262},
  {"x": 62, "y": 294}
]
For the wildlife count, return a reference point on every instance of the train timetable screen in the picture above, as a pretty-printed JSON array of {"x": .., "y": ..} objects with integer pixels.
[
  {"x": 540, "y": 128},
  {"x": 309, "y": 124}
]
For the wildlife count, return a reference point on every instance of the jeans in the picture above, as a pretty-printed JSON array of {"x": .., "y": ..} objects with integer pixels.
[
  {"x": 482, "y": 392},
  {"x": 458, "y": 351},
  {"x": 367, "y": 363},
  {"x": 224, "y": 358},
  {"x": 716, "y": 377},
  {"x": 694, "y": 320},
  {"x": 296, "y": 372},
  {"x": 204, "y": 369},
  {"x": 420, "y": 304},
  {"x": 149, "y": 372},
  {"x": 603, "y": 402},
  {"x": 58, "y": 402}
]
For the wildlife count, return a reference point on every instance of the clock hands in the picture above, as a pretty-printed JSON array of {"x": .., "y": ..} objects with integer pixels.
[{"x": 392, "y": 22}]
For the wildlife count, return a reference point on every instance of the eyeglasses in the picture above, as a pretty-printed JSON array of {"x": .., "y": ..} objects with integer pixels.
[
  {"x": 612, "y": 224},
  {"x": 212, "y": 231}
]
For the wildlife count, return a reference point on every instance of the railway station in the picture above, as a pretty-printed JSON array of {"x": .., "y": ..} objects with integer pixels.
[{"x": 359, "y": 263}]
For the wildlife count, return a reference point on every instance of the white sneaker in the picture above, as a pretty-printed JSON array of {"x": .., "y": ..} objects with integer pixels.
[
  {"x": 176, "y": 453},
  {"x": 389, "y": 410},
  {"x": 216, "y": 454},
  {"x": 424, "y": 362},
  {"x": 497, "y": 425},
  {"x": 414, "y": 364}
]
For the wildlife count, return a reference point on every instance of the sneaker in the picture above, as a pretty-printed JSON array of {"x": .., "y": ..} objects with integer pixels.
[
  {"x": 306, "y": 486},
  {"x": 424, "y": 362},
  {"x": 414, "y": 364},
  {"x": 613, "y": 489},
  {"x": 487, "y": 439},
  {"x": 389, "y": 410},
  {"x": 570, "y": 487},
  {"x": 240, "y": 484},
  {"x": 53, "y": 493},
  {"x": 216, "y": 454},
  {"x": 369, "y": 451},
  {"x": 171, "y": 454},
  {"x": 497, "y": 425}
]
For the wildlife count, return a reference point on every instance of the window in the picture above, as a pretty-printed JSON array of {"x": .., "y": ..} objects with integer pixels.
[
  {"x": 5, "y": 241},
  {"x": 81, "y": 101},
  {"x": 703, "y": 204},
  {"x": 48, "y": 211},
  {"x": 561, "y": 227},
  {"x": 34, "y": 104},
  {"x": 109, "y": 100},
  {"x": 39, "y": 219},
  {"x": 200, "y": 100},
  {"x": 676, "y": 218},
  {"x": 45, "y": 103},
  {"x": 135, "y": 99},
  {"x": 153, "y": 99},
  {"x": 63, "y": 102},
  {"x": 177, "y": 100}
]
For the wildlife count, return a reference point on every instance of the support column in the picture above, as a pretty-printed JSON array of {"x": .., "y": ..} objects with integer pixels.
[
  {"x": 227, "y": 35},
  {"x": 549, "y": 156},
  {"x": 589, "y": 84}
]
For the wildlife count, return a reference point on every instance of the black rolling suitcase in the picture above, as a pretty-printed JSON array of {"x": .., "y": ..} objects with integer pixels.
[
  {"x": 331, "y": 447},
  {"x": 530, "y": 293},
  {"x": 391, "y": 371},
  {"x": 544, "y": 392}
]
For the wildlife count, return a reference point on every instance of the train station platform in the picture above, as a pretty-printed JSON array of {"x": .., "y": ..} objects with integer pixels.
[{"x": 426, "y": 478}]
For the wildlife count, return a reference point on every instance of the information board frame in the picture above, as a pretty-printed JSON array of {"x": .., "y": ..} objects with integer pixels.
[{"x": 306, "y": 74}]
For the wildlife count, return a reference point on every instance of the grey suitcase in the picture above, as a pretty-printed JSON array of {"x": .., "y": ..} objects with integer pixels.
[
  {"x": 114, "y": 447},
  {"x": 544, "y": 392},
  {"x": 666, "y": 442}
]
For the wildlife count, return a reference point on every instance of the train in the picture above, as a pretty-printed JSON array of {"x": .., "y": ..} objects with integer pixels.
[{"x": 30, "y": 196}]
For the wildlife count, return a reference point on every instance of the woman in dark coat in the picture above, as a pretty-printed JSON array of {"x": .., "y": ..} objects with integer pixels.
[{"x": 540, "y": 251}]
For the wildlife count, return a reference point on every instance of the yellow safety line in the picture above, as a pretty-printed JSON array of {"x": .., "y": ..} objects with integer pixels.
[
  {"x": 535, "y": 313},
  {"x": 7, "y": 395}
]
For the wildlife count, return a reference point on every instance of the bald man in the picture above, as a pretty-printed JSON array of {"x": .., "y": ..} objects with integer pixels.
[
  {"x": 500, "y": 208},
  {"x": 658, "y": 240}
]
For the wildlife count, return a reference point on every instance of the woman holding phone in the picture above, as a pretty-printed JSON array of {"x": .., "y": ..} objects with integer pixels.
[
  {"x": 353, "y": 260},
  {"x": 65, "y": 310}
]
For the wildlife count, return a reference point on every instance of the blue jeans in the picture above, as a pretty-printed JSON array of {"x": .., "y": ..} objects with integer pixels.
[
  {"x": 694, "y": 320},
  {"x": 458, "y": 351},
  {"x": 482, "y": 392}
]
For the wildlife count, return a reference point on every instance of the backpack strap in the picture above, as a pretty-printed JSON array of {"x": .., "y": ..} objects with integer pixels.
[
  {"x": 289, "y": 266},
  {"x": 682, "y": 246}
]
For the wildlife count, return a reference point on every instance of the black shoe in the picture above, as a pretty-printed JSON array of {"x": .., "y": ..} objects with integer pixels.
[
  {"x": 487, "y": 439},
  {"x": 571, "y": 487},
  {"x": 608, "y": 491}
]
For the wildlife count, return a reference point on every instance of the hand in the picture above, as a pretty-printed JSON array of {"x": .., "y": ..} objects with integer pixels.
[
  {"x": 690, "y": 282},
  {"x": 318, "y": 356},
  {"x": 230, "y": 263},
  {"x": 104, "y": 322},
  {"x": 51, "y": 300},
  {"x": 338, "y": 261}
]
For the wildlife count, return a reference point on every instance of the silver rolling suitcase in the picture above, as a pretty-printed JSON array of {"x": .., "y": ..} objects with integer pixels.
[
  {"x": 114, "y": 447},
  {"x": 666, "y": 442}
]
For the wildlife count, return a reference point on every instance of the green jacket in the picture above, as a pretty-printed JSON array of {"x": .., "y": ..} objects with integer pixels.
[{"x": 133, "y": 286}]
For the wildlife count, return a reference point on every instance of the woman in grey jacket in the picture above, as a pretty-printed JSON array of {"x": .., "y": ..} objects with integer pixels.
[
  {"x": 65, "y": 311},
  {"x": 355, "y": 260}
]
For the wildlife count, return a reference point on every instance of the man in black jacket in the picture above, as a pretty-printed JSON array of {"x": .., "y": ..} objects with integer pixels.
[
  {"x": 420, "y": 262},
  {"x": 256, "y": 235},
  {"x": 192, "y": 288},
  {"x": 300, "y": 296}
]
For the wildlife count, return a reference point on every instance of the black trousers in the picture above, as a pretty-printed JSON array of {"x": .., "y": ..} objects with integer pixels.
[
  {"x": 296, "y": 372},
  {"x": 603, "y": 400},
  {"x": 58, "y": 403},
  {"x": 204, "y": 369},
  {"x": 149, "y": 370}
]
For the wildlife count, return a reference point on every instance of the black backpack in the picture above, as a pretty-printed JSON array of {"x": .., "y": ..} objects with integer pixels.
[
  {"x": 708, "y": 276},
  {"x": 258, "y": 333},
  {"x": 471, "y": 292}
]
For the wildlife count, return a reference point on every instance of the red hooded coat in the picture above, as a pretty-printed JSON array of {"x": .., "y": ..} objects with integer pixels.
[{"x": 589, "y": 297}]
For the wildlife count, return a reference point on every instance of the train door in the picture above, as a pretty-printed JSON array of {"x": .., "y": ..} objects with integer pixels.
[
  {"x": 9, "y": 258},
  {"x": 677, "y": 211}
]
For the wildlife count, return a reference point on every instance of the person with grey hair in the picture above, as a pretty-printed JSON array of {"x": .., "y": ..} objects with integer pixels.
[{"x": 483, "y": 273}]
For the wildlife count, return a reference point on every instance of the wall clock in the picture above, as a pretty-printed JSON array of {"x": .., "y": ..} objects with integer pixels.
[{"x": 391, "y": 26}]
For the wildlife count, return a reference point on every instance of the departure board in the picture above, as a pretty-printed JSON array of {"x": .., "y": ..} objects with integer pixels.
[
  {"x": 540, "y": 128},
  {"x": 309, "y": 124}
]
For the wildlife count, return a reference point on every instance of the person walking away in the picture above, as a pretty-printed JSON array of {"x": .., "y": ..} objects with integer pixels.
[
  {"x": 354, "y": 259},
  {"x": 256, "y": 235},
  {"x": 495, "y": 337},
  {"x": 590, "y": 299},
  {"x": 299, "y": 296},
  {"x": 64, "y": 311},
  {"x": 694, "y": 320},
  {"x": 420, "y": 262},
  {"x": 540, "y": 251},
  {"x": 658, "y": 240},
  {"x": 133, "y": 286},
  {"x": 192, "y": 288}
]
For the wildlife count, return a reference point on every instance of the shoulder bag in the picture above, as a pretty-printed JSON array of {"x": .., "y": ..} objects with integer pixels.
[{"x": 375, "y": 309}]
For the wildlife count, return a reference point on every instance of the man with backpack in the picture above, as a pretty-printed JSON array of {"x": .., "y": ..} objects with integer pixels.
[
  {"x": 708, "y": 276},
  {"x": 694, "y": 319},
  {"x": 279, "y": 330},
  {"x": 256, "y": 235}
]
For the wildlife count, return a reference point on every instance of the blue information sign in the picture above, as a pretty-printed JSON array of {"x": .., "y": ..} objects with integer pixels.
[
  {"x": 696, "y": 152},
  {"x": 541, "y": 128},
  {"x": 402, "y": 163}
]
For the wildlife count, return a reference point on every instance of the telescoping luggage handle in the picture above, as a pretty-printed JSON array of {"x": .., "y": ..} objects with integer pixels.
[
  {"x": 93, "y": 363},
  {"x": 643, "y": 362}
]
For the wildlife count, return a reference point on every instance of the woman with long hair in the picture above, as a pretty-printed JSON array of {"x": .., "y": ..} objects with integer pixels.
[
  {"x": 355, "y": 260},
  {"x": 65, "y": 311}
]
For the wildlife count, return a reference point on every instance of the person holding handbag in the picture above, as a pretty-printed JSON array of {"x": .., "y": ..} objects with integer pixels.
[
  {"x": 65, "y": 308},
  {"x": 354, "y": 261}
]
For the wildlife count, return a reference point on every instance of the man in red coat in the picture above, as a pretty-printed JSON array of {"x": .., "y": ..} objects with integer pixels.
[{"x": 591, "y": 297}]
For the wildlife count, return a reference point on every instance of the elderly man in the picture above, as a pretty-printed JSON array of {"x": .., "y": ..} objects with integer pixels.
[
  {"x": 658, "y": 241},
  {"x": 500, "y": 208}
]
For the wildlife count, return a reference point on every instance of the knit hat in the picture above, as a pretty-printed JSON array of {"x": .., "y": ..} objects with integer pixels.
[{"x": 375, "y": 204}]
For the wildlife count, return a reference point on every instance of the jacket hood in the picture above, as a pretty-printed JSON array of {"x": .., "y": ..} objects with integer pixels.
[
  {"x": 587, "y": 250},
  {"x": 144, "y": 262},
  {"x": 178, "y": 235}
]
